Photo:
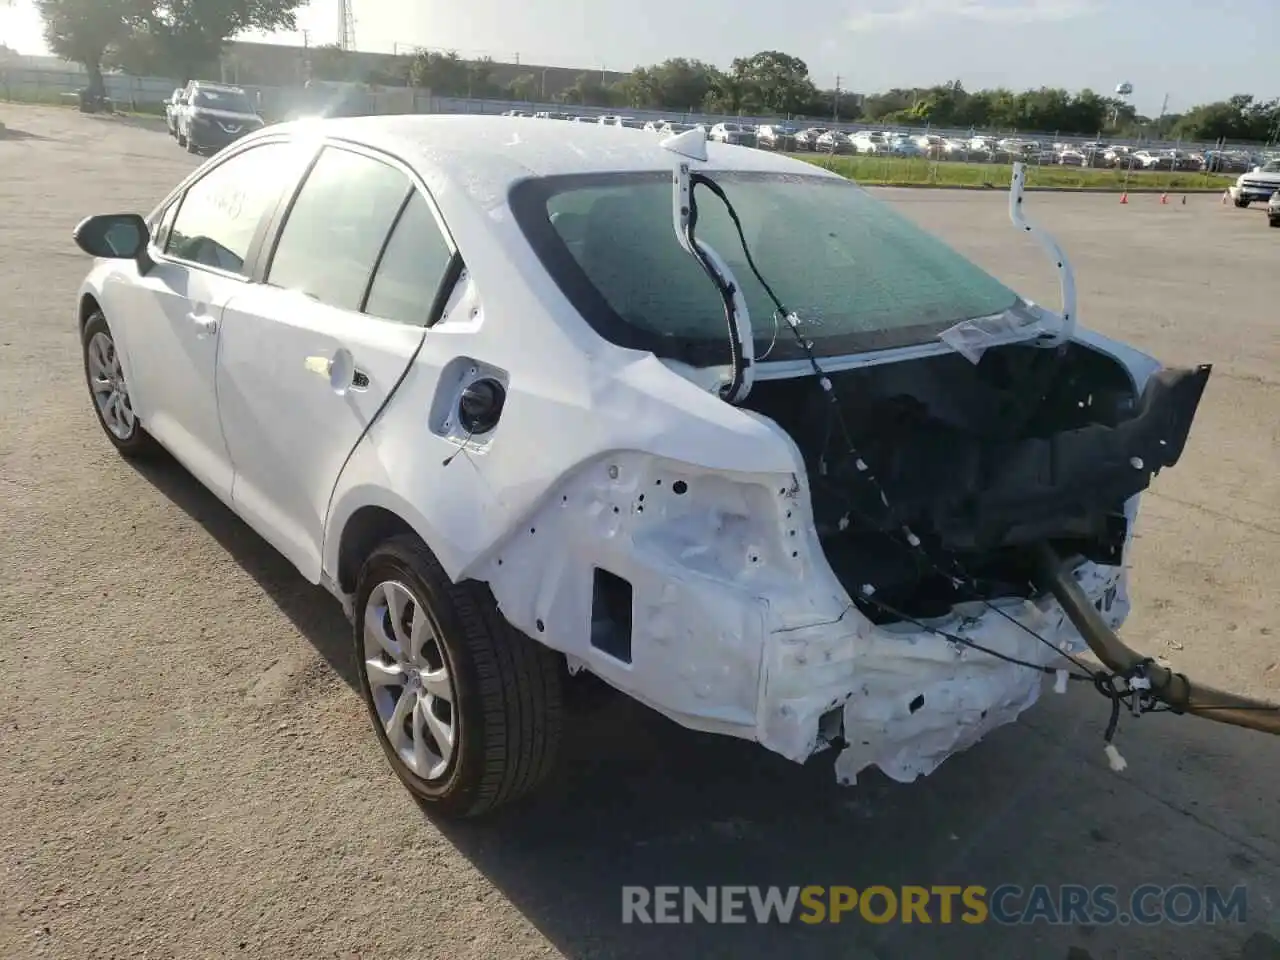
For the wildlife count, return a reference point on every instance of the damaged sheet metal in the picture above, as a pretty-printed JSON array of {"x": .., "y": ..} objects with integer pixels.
[
  {"x": 739, "y": 626},
  {"x": 666, "y": 541},
  {"x": 909, "y": 698}
]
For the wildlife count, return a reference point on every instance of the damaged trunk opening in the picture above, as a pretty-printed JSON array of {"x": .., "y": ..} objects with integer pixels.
[{"x": 980, "y": 462}]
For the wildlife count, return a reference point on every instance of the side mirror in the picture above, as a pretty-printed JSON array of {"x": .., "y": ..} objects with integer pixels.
[{"x": 114, "y": 236}]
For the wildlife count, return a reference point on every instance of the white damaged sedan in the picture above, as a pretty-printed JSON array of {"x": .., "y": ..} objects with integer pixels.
[{"x": 543, "y": 402}]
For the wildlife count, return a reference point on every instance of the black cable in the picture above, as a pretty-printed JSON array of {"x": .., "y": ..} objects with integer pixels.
[
  {"x": 954, "y": 638},
  {"x": 1102, "y": 680}
]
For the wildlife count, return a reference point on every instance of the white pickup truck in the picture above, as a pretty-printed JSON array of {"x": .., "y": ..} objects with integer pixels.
[{"x": 1258, "y": 184}]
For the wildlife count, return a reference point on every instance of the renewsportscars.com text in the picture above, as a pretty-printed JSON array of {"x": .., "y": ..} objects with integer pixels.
[{"x": 1006, "y": 904}]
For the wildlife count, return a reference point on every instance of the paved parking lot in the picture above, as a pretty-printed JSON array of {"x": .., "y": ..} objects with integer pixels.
[{"x": 187, "y": 770}]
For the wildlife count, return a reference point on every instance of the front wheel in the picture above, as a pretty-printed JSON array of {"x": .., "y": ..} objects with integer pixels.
[
  {"x": 466, "y": 708},
  {"x": 109, "y": 390}
]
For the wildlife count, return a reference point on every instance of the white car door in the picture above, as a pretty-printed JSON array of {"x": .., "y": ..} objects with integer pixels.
[
  {"x": 350, "y": 286},
  {"x": 171, "y": 314}
]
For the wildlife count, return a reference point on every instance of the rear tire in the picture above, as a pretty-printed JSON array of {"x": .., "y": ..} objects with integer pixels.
[
  {"x": 1274, "y": 221},
  {"x": 491, "y": 694},
  {"x": 1242, "y": 204}
]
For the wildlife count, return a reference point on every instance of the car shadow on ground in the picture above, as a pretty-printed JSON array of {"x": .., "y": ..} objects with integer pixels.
[
  {"x": 315, "y": 614},
  {"x": 636, "y": 800},
  {"x": 139, "y": 121},
  {"x": 12, "y": 133}
]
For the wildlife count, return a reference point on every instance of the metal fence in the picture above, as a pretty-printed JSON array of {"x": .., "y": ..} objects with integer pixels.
[{"x": 147, "y": 93}]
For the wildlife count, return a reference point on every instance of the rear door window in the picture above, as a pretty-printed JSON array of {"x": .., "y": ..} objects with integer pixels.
[
  {"x": 412, "y": 267},
  {"x": 337, "y": 228}
]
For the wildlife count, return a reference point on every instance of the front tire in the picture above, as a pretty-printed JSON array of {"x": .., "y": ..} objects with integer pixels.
[
  {"x": 109, "y": 391},
  {"x": 466, "y": 708}
]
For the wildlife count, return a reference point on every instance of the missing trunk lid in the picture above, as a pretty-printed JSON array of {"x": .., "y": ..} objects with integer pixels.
[{"x": 977, "y": 463}]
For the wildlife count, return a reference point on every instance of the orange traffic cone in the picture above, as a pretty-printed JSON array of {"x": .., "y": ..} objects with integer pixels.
[{"x": 1124, "y": 197}]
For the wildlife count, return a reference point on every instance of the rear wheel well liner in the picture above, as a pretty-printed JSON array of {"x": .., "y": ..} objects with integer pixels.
[{"x": 364, "y": 530}]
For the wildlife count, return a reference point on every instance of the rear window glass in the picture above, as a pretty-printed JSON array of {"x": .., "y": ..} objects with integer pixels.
[{"x": 859, "y": 275}]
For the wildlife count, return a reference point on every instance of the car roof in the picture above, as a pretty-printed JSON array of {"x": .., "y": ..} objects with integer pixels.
[{"x": 484, "y": 156}]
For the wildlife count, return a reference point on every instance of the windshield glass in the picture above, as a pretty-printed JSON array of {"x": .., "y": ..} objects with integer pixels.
[
  {"x": 233, "y": 101},
  {"x": 859, "y": 275}
]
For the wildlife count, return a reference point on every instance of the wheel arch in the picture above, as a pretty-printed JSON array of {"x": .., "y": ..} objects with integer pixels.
[
  {"x": 89, "y": 305},
  {"x": 366, "y": 528},
  {"x": 364, "y": 515}
]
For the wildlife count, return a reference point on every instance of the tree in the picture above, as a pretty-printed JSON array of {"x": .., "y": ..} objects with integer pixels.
[
  {"x": 480, "y": 79},
  {"x": 84, "y": 30},
  {"x": 590, "y": 90},
  {"x": 524, "y": 87},
  {"x": 1238, "y": 118},
  {"x": 675, "y": 84},
  {"x": 772, "y": 82},
  {"x": 728, "y": 94},
  {"x": 444, "y": 74},
  {"x": 187, "y": 35},
  {"x": 833, "y": 105}
]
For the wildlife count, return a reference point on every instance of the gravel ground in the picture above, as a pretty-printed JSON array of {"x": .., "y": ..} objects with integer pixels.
[{"x": 188, "y": 771}]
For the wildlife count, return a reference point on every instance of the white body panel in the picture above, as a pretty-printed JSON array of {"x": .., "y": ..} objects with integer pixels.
[
  {"x": 169, "y": 323},
  {"x": 287, "y": 431}
]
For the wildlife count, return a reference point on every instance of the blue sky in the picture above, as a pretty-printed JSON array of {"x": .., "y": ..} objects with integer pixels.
[{"x": 1193, "y": 50}]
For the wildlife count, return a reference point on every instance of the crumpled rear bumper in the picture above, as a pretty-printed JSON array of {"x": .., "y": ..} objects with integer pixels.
[
  {"x": 904, "y": 699},
  {"x": 740, "y": 627}
]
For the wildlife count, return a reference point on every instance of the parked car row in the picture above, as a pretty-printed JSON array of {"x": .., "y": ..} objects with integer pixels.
[
  {"x": 976, "y": 149},
  {"x": 205, "y": 117}
]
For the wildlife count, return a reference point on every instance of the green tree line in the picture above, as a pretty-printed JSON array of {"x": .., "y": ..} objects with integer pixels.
[
  {"x": 771, "y": 83},
  {"x": 176, "y": 38}
]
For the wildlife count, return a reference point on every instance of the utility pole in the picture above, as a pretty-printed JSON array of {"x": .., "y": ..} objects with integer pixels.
[{"x": 835, "y": 102}]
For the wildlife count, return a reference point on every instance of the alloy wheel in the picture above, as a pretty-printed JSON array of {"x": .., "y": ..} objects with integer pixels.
[
  {"x": 408, "y": 674},
  {"x": 107, "y": 384}
]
